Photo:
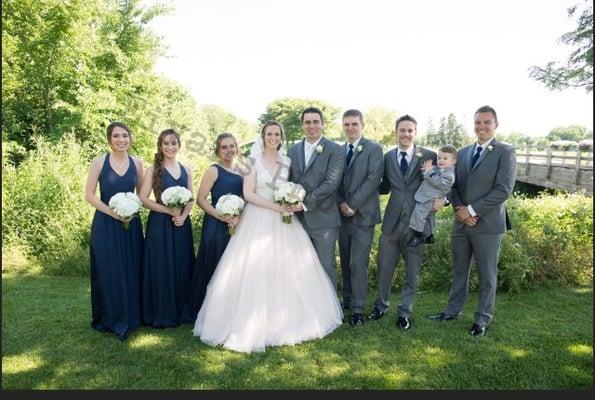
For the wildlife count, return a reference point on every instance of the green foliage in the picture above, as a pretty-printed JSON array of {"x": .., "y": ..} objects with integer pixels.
[
  {"x": 220, "y": 120},
  {"x": 550, "y": 241},
  {"x": 44, "y": 212},
  {"x": 380, "y": 125},
  {"x": 74, "y": 67},
  {"x": 449, "y": 132},
  {"x": 578, "y": 69},
  {"x": 288, "y": 112},
  {"x": 572, "y": 132}
]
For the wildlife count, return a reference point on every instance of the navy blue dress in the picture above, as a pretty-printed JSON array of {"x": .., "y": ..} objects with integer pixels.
[
  {"x": 168, "y": 262},
  {"x": 116, "y": 259},
  {"x": 213, "y": 241}
]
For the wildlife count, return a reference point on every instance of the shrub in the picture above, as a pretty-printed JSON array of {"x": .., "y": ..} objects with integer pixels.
[{"x": 44, "y": 212}]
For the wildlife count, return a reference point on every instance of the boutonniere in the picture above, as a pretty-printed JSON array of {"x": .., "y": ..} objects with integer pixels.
[
  {"x": 418, "y": 154},
  {"x": 490, "y": 148},
  {"x": 319, "y": 148},
  {"x": 359, "y": 148}
]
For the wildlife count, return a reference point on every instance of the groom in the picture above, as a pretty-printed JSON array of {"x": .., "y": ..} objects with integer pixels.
[{"x": 317, "y": 164}]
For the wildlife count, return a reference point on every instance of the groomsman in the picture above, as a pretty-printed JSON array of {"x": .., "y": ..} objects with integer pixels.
[
  {"x": 402, "y": 177},
  {"x": 317, "y": 164},
  {"x": 359, "y": 205},
  {"x": 485, "y": 176}
]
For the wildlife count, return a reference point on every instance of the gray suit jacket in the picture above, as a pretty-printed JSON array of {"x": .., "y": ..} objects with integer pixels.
[
  {"x": 486, "y": 186},
  {"x": 402, "y": 188},
  {"x": 320, "y": 178},
  {"x": 361, "y": 178},
  {"x": 436, "y": 184}
]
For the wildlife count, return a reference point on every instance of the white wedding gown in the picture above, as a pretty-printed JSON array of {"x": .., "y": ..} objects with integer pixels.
[{"x": 269, "y": 288}]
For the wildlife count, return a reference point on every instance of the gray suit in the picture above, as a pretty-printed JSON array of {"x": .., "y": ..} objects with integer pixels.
[
  {"x": 359, "y": 190},
  {"x": 396, "y": 232},
  {"x": 485, "y": 187},
  {"x": 436, "y": 185},
  {"x": 320, "y": 178}
]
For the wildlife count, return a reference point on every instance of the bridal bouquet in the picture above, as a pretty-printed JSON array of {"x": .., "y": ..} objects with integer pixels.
[
  {"x": 288, "y": 193},
  {"x": 176, "y": 197},
  {"x": 230, "y": 205},
  {"x": 126, "y": 205}
]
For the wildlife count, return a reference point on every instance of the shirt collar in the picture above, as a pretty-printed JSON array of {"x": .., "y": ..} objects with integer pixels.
[
  {"x": 312, "y": 145},
  {"x": 409, "y": 150},
  {"x": 485, "y": 145},
  {"x": 354, "y": 143}
]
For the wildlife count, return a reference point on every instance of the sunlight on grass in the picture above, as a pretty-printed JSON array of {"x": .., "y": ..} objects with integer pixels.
[
  {"x": 583, "y": 290},
  {"x": 580, "y": 350},
  {"x": 148, "y": 340},
  {"x": 435, "y": 357},
  {"x": 218, "y": 359},
  {"x": 334, "y": 365},
  {"x": 21, "y": 363},
  {"x": 15, "y": 261}
]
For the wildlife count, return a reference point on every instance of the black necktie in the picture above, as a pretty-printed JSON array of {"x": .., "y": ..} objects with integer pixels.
[
  {"x": 404, "y": 164},
  {"x": 349, "y": 153},
  {"x": 476, "y": 156}
]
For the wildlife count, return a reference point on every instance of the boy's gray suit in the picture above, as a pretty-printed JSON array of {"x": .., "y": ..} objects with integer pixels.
[
  {"x": 359, "y": 189},
  {"x": 436, "y": 185},
  {"x": 320, "y": 178},
  {"x": 485, "y": 187},
  {"x": 395, "y": 229}
]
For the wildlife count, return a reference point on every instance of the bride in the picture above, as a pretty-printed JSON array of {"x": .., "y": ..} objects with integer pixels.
[{"x": 269, "y": 288}]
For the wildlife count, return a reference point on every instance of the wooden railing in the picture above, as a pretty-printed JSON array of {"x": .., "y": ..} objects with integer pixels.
[{"x": 559, "y": 169}]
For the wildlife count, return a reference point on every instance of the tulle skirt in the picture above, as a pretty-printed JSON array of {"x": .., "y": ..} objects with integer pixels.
[{"x": 269, "y": 288}]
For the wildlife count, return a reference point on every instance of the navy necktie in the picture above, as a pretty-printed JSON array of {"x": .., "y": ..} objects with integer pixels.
[
  {"x": 349, "y": 153},
  {"x": 404, "y": 164},
  {"x": 476, "y": 156}
]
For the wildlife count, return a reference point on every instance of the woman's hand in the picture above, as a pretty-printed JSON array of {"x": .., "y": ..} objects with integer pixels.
[{"x": 174, "y": 212}]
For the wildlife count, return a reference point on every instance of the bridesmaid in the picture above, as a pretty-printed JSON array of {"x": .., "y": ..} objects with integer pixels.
[
  {"x": 169, "y": 249},
  {"x": 221, "y": 178},
  {"x": 116, "y": 252}
]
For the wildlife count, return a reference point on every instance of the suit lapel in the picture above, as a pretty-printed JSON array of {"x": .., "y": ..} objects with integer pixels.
[
  {"x": 412, "y": 165},
  {"x": 300, "y": 156},
  {"x": 483, "y": 155},
  {"x": 393, "y": 159},
  {"x": 314, "y": 155},
  {"x": 355, "y": 152}
]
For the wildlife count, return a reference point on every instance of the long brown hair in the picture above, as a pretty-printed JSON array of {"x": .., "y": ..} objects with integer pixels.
[{"x": 158, "y": 161}]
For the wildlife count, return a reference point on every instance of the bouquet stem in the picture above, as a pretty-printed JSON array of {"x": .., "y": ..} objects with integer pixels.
[
  {"x": 231, "y": 230},
  {"x": 287, "y": 218}
]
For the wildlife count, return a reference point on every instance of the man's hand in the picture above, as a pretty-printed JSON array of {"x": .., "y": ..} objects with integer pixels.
[
  {"x": 462, "y": 213},
  {"x": 344, "y": 208},
  {"x": 471, "y": 221},
  {"x": 438, "y": 204}
]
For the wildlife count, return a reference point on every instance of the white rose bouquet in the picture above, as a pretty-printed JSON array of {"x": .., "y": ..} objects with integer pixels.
[
  {"x": 176, "y": 197},
  {"x": 288, "y": 193},
  {"x": 126, "y": 205},
  {"x": 230, "y": 205}
]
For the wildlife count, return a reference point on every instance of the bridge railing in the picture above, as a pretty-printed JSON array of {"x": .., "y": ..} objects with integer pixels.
[{"x": 580, "y": 161}]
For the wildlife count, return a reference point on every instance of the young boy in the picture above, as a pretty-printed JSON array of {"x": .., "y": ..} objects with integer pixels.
[{"x": 436, "y": 184}]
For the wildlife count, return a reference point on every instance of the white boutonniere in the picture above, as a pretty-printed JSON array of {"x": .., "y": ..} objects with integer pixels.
[
  {"x": 418, "y": 154},
  {"x": 319, "y": 148},
  {"x": 359, "y": 148},
  {"x": 490, "y": 148}
]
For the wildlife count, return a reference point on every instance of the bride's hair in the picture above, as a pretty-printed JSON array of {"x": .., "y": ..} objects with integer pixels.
[{"x": 275, "y": 123}]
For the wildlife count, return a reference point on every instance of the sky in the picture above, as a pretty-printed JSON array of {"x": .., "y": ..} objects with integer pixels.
[{"x": 426, "y": 58}]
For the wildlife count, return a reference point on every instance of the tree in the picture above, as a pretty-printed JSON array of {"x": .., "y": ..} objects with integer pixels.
[
  {"x": 220, "y": 120},
  {"x": 288, "y": 112},
  {"x": 578, "y": 70},
  {"x": 572, "y": 132},
  {"x": 517, "y": 139},
  {"x": 380, "y": 125},
  {"x": 449, "y": 132}
]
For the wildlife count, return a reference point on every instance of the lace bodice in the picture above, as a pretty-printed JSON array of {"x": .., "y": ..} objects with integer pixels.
[{"x": 265, "y": 182}]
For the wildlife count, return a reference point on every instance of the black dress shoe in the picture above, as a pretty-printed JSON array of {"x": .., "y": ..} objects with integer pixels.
[
  {"x": 478, "y": 330},
  {"x": 357, "y": 319},
  {"x": 403, "y": 323},
  {"x": 376, "y": 313},
  {"x": 444, "y": 317},
  {"x": 415, "y": 241},
  {"x": 430, "y": 239}
]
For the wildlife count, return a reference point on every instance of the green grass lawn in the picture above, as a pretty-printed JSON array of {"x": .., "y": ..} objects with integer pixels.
[{"x": 539, "y": 340}]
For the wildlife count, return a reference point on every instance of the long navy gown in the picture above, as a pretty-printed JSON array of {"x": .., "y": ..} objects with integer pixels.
[
  {"x": 213, "y": 241},
  {"x": 168, "y": 262},
  {"x": 116, "y": 259}
]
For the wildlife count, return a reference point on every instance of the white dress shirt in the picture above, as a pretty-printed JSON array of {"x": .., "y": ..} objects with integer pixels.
[{"x": 309, "y": 149}]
